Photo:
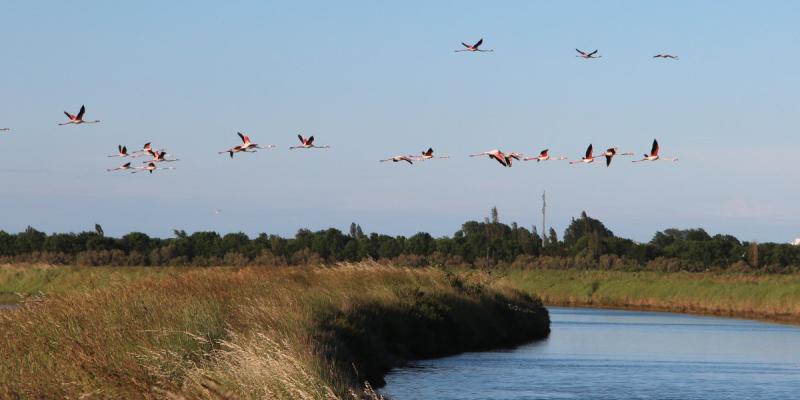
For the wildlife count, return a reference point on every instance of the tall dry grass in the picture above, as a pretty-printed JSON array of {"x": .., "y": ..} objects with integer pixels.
[{"x": 307, "y": 333}]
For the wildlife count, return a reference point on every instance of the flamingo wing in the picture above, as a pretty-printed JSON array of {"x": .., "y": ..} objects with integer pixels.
[
  {"x": 310, "y": 140},
  {"x": 592, "y": 53},
  {"x": 589, "y": 151},
  {"x": 608, "y": 160},
  {"x": 582, "y": 53},
  {"x": 654, "y": 150},
  {"x": 81, "y": 112},
  {"x": 478, "y": 43},
  {"x": 544, "y": 153},
  {"x": 241, "y": 136},
  {"x": 303, "y": 141}
]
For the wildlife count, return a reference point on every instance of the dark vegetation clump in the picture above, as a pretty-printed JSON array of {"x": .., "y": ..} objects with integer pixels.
[{"x": 376, "y": 337}]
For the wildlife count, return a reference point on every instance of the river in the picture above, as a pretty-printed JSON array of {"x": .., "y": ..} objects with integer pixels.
[{"x": 610, "y": 354}]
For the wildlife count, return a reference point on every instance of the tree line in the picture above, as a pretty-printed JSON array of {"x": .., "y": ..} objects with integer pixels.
[{"x": 586, "y": 243}]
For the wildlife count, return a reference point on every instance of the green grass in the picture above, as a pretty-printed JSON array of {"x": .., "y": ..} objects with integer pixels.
[
  {"x": 18, "y": 282},
  {"x": 772, "y": 297},
  {"x": 244, "y": 333}
]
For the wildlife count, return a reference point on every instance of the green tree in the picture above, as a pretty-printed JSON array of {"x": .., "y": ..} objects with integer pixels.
[{"x": 583, "y": 226}]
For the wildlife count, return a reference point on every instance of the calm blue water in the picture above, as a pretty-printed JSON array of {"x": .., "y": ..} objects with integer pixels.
[{"x": 607, "y": 354}]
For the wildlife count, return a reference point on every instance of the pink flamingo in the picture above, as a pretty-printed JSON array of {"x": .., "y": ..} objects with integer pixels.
[
  {"x": 428, "y": 155},
  {"x": 78, "y": 119},
  {"x": 146, "y": 149},
  {"x": 515, "y": 155},
  {"x": 398, "y": 159},
  {"x": 308, "y": 143},
  {"x": 247, "y": 146},
  {"x": 497, "y": 155},
  {"x": 583, "y": 54},
  {"x": 666, "y": 56},
  {"x": 474, "y": 47},
  {"x": 122, "y": 167},
  {"x": 544, "y": 155},
  {"x": 151, "y": 166},
  {"x": 611, "y": 152},
  {"x": 122, "y": 151},
  {"x": 588, "y": 158},
  {"x": 159, "y": 156},
  {"x": 653, "y": 156}
]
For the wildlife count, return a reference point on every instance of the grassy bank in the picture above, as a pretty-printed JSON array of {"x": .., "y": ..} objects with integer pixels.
[
  {"x": 18, "y": 282},
  {"x": 769, "y": 297},
  {"x": 248, "y": 333}
]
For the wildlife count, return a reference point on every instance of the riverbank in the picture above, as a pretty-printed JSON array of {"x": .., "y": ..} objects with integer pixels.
[
  {"x": 765, "y": 297},
  {"x": 251, "y": 332}
]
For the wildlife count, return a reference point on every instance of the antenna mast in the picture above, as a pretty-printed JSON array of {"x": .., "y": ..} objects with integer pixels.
[{"x": 544, "y": 207}]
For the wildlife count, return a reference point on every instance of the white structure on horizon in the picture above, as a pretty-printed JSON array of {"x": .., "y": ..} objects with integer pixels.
[{"x": 796, "y": 242}]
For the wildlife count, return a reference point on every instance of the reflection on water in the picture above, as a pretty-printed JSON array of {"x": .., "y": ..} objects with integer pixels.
[{"x": 608, "y": 354}]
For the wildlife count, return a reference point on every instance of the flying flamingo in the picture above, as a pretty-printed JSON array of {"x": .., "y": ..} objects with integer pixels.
[
  {"x": 653, "y": 156},
  {"x": 544, "y": 156},
  {"x": 246, "y": 146},
  {"x": 515, "y": 155},
  {"x": 474, "y": 47},
  {"x": 583, "y": 54},
  {"x": 122, "y": 151},
  {"x": 666, "y": 56},
  {"x": 588, "y": 158},
  {"x": 398, "y": 159},
  {"x": 428, "y": 155},
  {"x": 146, "y": 149},
  {"x": 5, "y": 129},
  {"x": 308, "y": 143},
  {"x": 78, "y": 119},
  {"x": 497, "y": 155},
  {"x": 613, "y": 151},
  {"x": 159, "y": 156},
  {"x": 233, "y": 150},
  {"x": 122, "y": 167},
  {"x": 151, "y": 166}
]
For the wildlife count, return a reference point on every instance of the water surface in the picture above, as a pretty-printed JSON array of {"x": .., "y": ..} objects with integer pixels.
[{"x": 609, "y": 354}]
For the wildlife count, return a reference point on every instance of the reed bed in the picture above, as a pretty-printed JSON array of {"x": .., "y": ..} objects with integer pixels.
[{"x": 254, "y": 333}]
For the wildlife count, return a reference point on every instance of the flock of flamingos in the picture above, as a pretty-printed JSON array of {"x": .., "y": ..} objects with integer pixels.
[{"x": 158, "y": 156}]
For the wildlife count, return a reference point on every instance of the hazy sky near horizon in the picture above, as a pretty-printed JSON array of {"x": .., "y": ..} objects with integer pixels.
[{"x": 374, "y": 79}]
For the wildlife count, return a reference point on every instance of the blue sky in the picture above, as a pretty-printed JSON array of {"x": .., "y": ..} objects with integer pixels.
[{"x": 375, "y": 79}]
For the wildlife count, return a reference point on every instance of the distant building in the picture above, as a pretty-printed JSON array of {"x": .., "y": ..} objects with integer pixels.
[{"x": 796, "y": 242}]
